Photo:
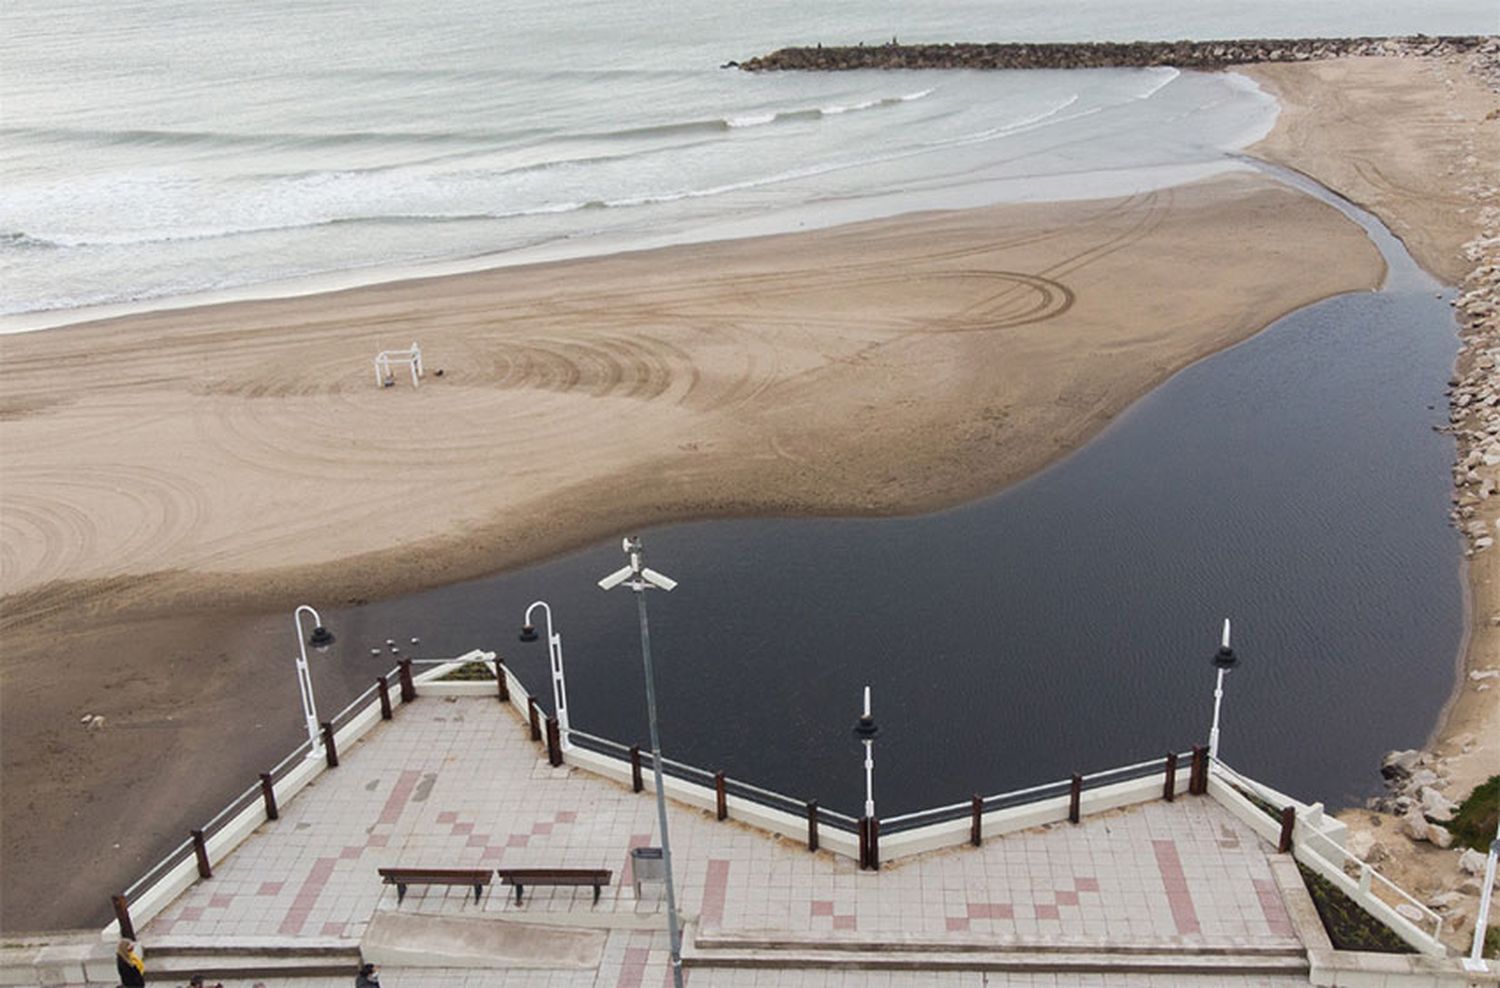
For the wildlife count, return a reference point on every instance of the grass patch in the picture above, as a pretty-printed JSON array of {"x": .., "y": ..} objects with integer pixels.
[
  {"x": 1348, "y": 925},
  {"x": 1491, "y": 943},
  {"x": 1260, "y": 804},
  {"x": 470, "y": 671},
  {"x": 1474, "y": 823}
]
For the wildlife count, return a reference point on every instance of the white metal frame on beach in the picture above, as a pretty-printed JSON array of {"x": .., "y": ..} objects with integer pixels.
[{"x": 412, "y": 357}]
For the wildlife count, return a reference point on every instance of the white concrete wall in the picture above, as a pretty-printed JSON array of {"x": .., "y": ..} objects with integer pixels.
[{"x": 1310, "y": 851}]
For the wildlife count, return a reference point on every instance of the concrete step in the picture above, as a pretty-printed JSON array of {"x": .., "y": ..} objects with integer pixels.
[
  {"x": 248, "y": 958},
  {"x": 721, "y": 949},
  {"x": 1016, "y": 961},
  {"x": 916, "y": 943}
]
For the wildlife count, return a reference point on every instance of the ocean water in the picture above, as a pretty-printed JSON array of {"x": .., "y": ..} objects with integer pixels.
[{"x": 151, "y": 151}]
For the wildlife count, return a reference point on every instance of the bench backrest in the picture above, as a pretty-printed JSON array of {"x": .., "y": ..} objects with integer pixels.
[
  {"x": 533, "y": 875},
  {"x": 464, "y": 876}
]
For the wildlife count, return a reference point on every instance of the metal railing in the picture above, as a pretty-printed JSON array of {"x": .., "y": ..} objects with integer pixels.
[
  {"x": 1311, "y": 840},
  {"x": 709, "y": 780},
  {"x": 185, "y": 851},
  {"x": 1021, "y": 797}
]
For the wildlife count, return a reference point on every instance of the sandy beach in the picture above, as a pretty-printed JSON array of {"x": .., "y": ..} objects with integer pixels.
[{"x": 228, "y": 462}]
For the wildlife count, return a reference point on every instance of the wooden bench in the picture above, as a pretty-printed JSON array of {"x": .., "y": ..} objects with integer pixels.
[
  {"x": 402, "y": 877},
  {"x": 522, "y": 877}
]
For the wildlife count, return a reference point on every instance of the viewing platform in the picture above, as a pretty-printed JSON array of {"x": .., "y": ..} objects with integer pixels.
[{"x": 1142, "y": 889}]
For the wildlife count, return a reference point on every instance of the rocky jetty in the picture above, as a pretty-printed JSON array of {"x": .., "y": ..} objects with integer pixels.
[
  {"x": 1474, "y": 394},
  {"x": 1099, "y": 55}
]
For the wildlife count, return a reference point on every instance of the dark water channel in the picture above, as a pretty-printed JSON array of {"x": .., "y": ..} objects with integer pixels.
[{"x": 1293, "y": 483}]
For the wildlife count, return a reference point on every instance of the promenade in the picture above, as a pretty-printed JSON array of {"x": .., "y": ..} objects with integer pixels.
[{"x": 456, "y": 782}]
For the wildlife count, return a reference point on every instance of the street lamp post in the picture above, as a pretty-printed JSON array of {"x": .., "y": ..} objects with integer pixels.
[
  {"x": 1224, "y": 660},
  {"x": 554, "y": 655},
  {"x": 1475, "y": 961},
  {"x": 866, "y": 732},
  {"x": 320, "y": 639},
  {"x": 639, "y": 578}
]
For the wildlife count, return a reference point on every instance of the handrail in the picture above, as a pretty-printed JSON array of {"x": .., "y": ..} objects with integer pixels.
[
  {"x": 238, "y": 804},
  {"x": 173, "y": 858},
  {"x": 955, "y": 811},
  {"x": 1339, "y": 859},
  {"x": 737, "y": 787}
]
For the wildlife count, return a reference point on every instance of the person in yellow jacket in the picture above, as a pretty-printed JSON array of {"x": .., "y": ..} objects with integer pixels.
[{"x": 128, "y": 962}]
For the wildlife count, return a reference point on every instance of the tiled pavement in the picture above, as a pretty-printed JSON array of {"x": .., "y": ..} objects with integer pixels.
[{"x": 455, "y": 782}]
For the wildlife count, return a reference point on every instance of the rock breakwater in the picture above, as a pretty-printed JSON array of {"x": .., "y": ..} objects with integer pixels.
[{"x": 1100, "y": 55}]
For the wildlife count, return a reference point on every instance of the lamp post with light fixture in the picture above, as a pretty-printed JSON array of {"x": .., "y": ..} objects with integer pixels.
[
  {"x": 320, "y": 639},
  {"x": 1224, "y": 660},
  {"x": 639, "y": 578},
  {"x": 555, "y": 658}
]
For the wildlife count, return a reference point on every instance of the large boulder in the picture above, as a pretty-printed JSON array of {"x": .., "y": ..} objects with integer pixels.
[
  {"x": 1415, "y": 825},
  {"x": 1472, "y": 862},
  {"x": 1399, "y": 764},
  {"x": 1436, "y": 806}
]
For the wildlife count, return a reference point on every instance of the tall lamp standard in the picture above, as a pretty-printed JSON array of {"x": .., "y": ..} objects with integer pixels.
[
  {"x": 638, "y": 578},
  {"x": 1224, "y": 660},
  {"x": 554, "y": 654},
  {"x": 866, "y": 732},
  {"x": 320, "y": 639}
]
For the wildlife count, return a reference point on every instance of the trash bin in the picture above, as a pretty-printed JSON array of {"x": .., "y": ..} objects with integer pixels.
[{"x": 647, "y": 865}]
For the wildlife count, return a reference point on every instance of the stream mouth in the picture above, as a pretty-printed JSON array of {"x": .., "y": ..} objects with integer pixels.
[{"x": 1294, "y": 483}]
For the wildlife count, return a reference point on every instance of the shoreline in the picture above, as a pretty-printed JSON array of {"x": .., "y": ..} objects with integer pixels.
[
  {"x": 1432, "y": 173},
  {"x": 121, "y": 599}
]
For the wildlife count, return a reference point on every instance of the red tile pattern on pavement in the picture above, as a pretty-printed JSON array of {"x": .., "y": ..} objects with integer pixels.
[
  {"x": 1272, "y": 908},
  {"x": 1175, "y": 882}
]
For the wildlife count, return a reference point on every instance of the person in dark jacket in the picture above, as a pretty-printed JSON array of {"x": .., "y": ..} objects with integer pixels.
[
  {"x": 368, "y": 977},
  {"x": 130, "y": 966}
]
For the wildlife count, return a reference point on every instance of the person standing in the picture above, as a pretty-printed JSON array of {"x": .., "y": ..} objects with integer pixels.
[
  {"x": 130, "y": 966},
  {"x": 368, "y": 977}
]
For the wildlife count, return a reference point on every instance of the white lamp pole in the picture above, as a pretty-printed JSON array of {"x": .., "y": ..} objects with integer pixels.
[
  {"x": 1475, "y": 961},
  {"x": 640, "y": 579},
  {"x": 867, "y": 732},
  {"x": 320, "y": 639},
  {"x": 1225, "y": 660},
  {"x": 554, "y": 654}
]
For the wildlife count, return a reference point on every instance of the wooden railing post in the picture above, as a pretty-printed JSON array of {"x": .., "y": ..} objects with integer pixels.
[
  {"x": 268, "y": 793},
  {"x": 1288, "y": 826},
  {"x": 635, "y": 769},
  {"x": 385, "y": 698},
  {"x": 330, "y": 750},
  {"x": 533, "y": 713},
  {"x": 200, "y": 849},
  {"x": 812, "y": 825},
  {"x": 1198, "y": 777},
  {"x": 976, "y": 821},
  {"x": 874, "y": 843},
  {"x": 721, "y": 798},
  {"x": 122, "y": 916},
  {"x": 554, "y": 743},
  {"x": 1169, "y": 784},
  {"x": 408, "y": 688},
  {"x": 1075, "y": 798},
  {"x": 502, "y": 685}
]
